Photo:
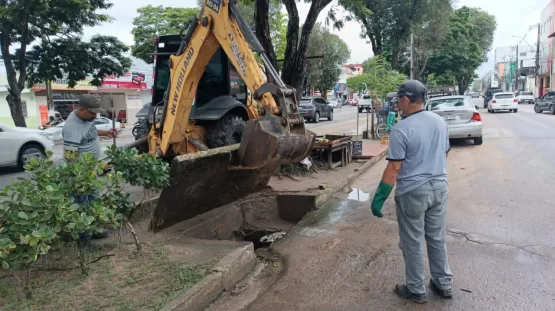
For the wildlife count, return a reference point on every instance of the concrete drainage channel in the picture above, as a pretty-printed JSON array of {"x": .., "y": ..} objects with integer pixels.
[
  {"x": 239, "y": 277},
  {"x": 260, "y": 221}
]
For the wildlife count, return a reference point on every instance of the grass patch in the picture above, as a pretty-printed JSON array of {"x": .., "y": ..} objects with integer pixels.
[{"x": 124, "y": 281}]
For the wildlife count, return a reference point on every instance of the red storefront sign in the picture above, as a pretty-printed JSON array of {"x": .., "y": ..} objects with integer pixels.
[{"x": 123, "y": 85}]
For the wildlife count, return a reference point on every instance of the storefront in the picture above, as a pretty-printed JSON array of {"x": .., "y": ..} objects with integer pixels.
[
  {"x": 124, "y": 96},
  {"x": 121, "y": 97}
]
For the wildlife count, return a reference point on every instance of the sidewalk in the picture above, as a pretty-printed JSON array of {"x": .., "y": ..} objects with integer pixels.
[{"x": 346, "y": 259}]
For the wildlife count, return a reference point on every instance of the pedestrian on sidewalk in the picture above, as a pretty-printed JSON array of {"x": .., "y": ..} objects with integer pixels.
[
  {"x": 81, "y": 136},
  {"x": 418, "y": 148}
]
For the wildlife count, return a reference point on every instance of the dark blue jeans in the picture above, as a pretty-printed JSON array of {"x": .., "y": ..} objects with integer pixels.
[{"x": 84, "y": 199}]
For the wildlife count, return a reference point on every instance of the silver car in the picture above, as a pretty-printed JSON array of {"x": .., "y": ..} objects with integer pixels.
[{"x": 462, "y": 118}]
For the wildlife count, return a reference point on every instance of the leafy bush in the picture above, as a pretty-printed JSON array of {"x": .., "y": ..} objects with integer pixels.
[
  {"x": 143, "y": 170},
  {"x": 70, "y": 201}
]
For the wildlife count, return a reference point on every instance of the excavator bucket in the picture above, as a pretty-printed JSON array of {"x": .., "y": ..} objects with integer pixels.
[{"x": 266, "y": 142}]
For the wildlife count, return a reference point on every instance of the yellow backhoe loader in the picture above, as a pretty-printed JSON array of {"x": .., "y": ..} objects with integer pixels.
[{"x": 224, "y": 142}]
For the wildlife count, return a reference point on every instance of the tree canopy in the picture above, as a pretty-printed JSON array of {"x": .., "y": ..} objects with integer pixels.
[
  {"x": 76, "y": 60},
  {"x": 323, "y": 73},
  {"x": 378, "y": 77},
  {"x": 25, "y": 21},
  {"x": 465, "y": 47},
  {"x": 157, "y": 20}
]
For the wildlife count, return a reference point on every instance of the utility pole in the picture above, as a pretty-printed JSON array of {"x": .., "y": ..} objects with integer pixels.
[
  {"x": 538, "y": 56},
  {"x": 49, "y": 99},
  {"x": 516, "y": 70},
  {"x": 412, "y": 69}
]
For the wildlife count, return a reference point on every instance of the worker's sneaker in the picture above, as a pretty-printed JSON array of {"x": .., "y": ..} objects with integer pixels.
[
  {"x": 403, "y": 291},
  {"x": 443, "y": 293}
]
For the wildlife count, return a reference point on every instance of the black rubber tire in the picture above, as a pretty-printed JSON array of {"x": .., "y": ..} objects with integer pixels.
[
  {"x": 552, "y": 109},
  {"x": 478, "y": 141},
  {"x": 226, "y": 131},
  {"x": 537, "y": 109},
  {"x": 316, "y": 117},
  {"x": 359, "y": 110},
  {"x": 515, "y": 110},
  {"x": 330, "y": 117},
  {"x": 28, "y": 146}
]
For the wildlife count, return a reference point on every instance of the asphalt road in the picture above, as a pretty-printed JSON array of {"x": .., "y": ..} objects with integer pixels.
[
  {"x": 344, "y": 122},
  {"x": 500, "y": 220}
]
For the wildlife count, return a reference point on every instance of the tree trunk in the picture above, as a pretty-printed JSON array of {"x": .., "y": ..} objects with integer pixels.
[
  {"x": 261, "y": 10},
  {"x": 16, "y": 110},
  {"x": 295, "y": 55},
  {"x": 15, "y": 86}
]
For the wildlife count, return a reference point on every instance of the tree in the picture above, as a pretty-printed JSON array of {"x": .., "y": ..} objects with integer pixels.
[
  {"x": 157, "y": 20},
  {"x": 465, "y": 47},
  {"x": 25, "y": 21},
  {"x": 378, "y": 76},
  {"x": 298, "y": 38},
  {"x": 75, "y": 60},
  {"x": 322, "y": 74},
  {"x": 388, "y": 24}
]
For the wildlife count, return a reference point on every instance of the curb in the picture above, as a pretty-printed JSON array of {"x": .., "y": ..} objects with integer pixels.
[{"x": 227, "y": 272}]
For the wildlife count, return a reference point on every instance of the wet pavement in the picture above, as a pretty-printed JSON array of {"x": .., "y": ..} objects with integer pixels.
[{"x": 501, "y": 240}]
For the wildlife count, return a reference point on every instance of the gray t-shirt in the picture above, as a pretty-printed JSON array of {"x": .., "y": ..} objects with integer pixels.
[
  {"x": 421, "y": 141},
  {"x": 80, "y": 136}
]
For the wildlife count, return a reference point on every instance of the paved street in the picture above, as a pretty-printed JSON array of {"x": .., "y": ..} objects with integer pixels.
[
  {"x": 344, "y": 122},
  {"x": 500, "y": 220}
]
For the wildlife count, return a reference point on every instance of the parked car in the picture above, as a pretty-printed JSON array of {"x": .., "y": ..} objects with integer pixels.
[
  {"x": 488, "y": 95},
  {"x": 101, "y": 123},
  {"x": 462, "y": 118},
  {"x": 475, "y": 95},
  {"x": 365, "y": 104},
  {"x": 314, "y": 108},
  {"x": 20, "y": 144},
  {"x": 525, "y": 97},
  {"x": 545, "y": 103},
  {"x": 503, "y": 101}
]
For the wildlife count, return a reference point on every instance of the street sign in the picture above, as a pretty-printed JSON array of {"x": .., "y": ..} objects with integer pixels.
[{"x": 512, "y": 73}]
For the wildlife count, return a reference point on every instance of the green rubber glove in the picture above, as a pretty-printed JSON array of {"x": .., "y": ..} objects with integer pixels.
[{"x": 381, "y": 195}]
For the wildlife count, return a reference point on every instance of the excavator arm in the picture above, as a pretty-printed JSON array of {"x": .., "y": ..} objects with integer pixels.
[{"x": 275, "y": 132}]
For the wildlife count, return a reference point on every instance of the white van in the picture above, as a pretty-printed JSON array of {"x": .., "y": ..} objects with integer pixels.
[{"x": 503, "y": 101}]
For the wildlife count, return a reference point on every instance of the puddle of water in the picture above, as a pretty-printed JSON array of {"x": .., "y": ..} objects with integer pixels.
[{"x": 358, "y": 195}]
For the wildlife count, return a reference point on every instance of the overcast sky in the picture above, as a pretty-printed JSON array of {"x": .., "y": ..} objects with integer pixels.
[{"x": 513, "y": 19}]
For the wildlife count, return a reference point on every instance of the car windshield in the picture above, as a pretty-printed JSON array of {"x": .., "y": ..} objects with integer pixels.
[
  {"x": 502, "y": 96},
  {"x": 446, "y": 103},
  {"x": 366, "y": 97},
  {"x": 526, "y": 93}
]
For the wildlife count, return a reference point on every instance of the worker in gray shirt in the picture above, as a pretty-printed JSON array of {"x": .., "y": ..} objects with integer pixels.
[
  {"x": 418, "y": 147},
  {"x": 81, "y": 136},
  {"x": 79, "y": 132}
]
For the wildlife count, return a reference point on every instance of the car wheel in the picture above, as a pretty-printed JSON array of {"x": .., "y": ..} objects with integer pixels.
[
  {"x": 537, "y": 109},
  {"x": 552, "y": 109},
  {"x": 28, "y": 152},
  {"x": 317, "y": 117},
  {"x": 359, "y": 110},
  {"x": 478, "y": 141},
  {"x": 515, "y": 110},
  {"x": 330, "y": 117}
]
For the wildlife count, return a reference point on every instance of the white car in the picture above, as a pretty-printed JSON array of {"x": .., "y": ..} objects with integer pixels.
[
  {"x": 525, "y": 97},
  {"x": 503, "y": 101},
  {"x": 101, "y": 123},
  {"x": 19, "y": 144},
  {"x": 461, "y": 116}
]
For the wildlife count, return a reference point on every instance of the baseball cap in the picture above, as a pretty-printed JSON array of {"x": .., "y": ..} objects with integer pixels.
[
  {"x": 413, "y": 89},
  {"x": 91, "y": 103}
]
